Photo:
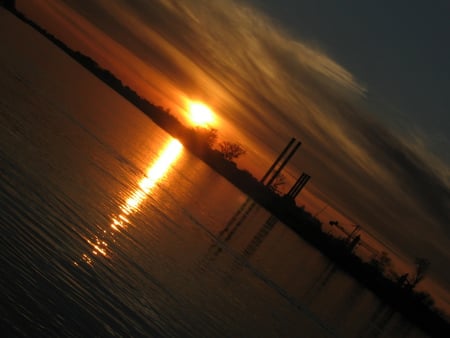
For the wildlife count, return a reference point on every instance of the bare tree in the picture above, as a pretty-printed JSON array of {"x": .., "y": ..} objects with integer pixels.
[
  {"x": 422, "y": 266},
  {"x": 279, "y": 181},
  {"x": 231, "y": 150},
  {"x": 208, "y": 135}
]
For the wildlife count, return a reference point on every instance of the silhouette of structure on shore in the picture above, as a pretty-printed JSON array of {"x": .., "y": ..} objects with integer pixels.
[
  {"x": 276, "y": 168},
  {"x": 246, "y": 208},
  {"x": 298, "y": 185},
  {"x": 273, "y": 170}
]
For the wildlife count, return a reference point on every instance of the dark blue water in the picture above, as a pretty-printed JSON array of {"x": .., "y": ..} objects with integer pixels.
[{"x": 110, "y": 228}]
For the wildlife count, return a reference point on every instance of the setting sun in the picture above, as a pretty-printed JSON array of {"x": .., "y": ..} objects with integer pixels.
[{"x": 200, "y": 114}]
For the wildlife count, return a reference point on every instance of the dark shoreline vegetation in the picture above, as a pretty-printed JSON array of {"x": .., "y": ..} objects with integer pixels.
[{"x": 416, "y": 306}]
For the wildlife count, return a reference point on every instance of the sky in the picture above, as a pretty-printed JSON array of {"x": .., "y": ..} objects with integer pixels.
[
  {"x": 397, "y": 49},
  {"x": 362, "y": 85}
]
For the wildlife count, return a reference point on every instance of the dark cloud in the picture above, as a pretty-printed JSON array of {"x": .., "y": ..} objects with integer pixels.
[{"x": 408, "y": 170}]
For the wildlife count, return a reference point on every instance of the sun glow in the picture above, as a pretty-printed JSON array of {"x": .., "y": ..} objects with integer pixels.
[{"x": 200, "y": 114}]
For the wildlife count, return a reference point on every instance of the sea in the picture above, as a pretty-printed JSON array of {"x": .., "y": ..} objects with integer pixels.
[{"x": 109, "y": 227}]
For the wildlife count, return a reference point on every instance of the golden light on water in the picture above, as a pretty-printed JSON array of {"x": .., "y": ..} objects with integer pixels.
[
  {"x": 200, "y": 114},
  {"x": 154, "y": 174}
]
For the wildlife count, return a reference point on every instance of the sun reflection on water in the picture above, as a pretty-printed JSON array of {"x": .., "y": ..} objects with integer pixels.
[{"x": 155, "y": 172}]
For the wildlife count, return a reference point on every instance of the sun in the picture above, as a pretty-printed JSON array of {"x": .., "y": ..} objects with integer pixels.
[{"x": 200, "y": 114}]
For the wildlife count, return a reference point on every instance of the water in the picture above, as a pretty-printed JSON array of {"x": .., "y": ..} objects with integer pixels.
[{"x": 110, "y": 228}]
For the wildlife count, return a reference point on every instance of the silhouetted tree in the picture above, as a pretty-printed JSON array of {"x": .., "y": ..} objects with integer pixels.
[
  {"x": 208, "y": 135},
  {"x": 231, "y": 150},
  {"x": 403, "y": 280},
  {"x": 382, "y": 262},
  {"x": 279, "y": 181},
  {"x": 422, "y": 265}
]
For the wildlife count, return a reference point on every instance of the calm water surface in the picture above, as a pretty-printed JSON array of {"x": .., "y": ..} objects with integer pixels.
[{"x": 110, "y": 228}]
